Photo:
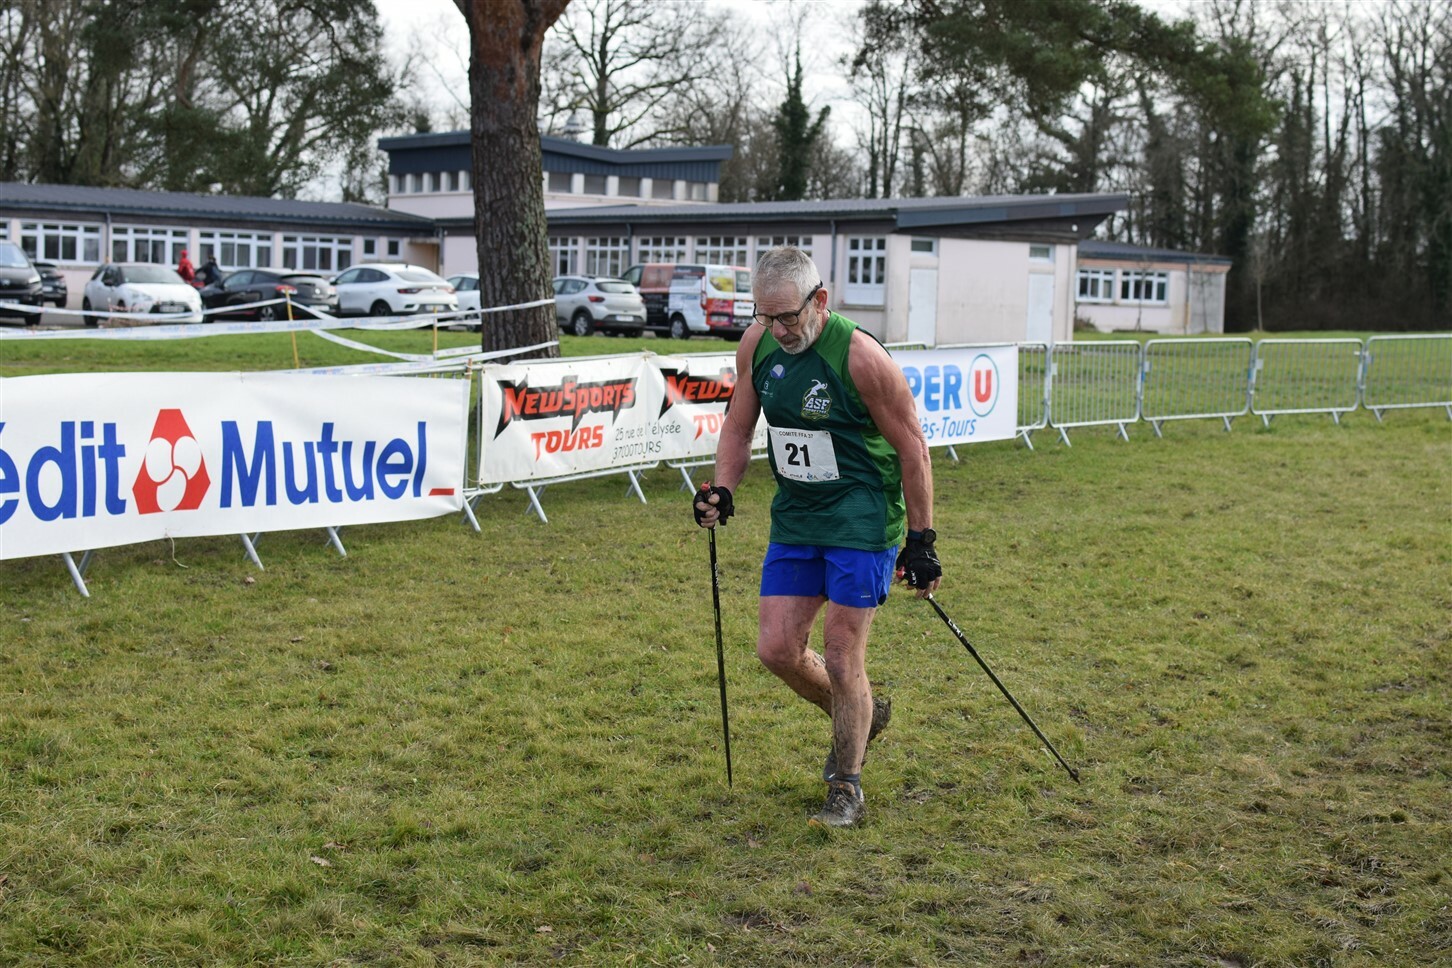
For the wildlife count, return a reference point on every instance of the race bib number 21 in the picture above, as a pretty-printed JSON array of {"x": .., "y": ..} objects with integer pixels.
[{"x": 804, "y": 455}]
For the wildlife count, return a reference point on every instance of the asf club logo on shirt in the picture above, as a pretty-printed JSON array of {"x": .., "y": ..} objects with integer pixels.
[
  {"x": 173, "y": 476},
  {"x": 817, "y": 402}
]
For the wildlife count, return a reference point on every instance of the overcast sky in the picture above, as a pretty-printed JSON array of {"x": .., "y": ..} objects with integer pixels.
[{"x": 438, "y": 27}]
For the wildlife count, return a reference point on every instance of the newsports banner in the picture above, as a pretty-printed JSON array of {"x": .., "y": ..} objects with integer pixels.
[
  {"x": 98, "y": 460},
  {"x": 574, "y": 417},
  {"x": 559, "y": 418},
  {"x": 964, "y": 396}
]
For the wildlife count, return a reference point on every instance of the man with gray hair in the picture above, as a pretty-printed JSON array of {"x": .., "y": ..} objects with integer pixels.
[{"x": 853, "y": 480}]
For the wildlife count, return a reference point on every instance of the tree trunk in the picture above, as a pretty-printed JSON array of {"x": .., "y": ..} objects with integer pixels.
[{"x": 505, "y": 39}]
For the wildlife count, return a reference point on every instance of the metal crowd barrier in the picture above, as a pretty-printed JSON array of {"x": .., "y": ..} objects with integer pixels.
[
  {"x": 1033, "y": 389},
  {"x": 1401, "y": 372},
  {"x": 1182, "y": 379},
  {"x": 1093, "y": 384},
  {"x": 1305, "y": 376}
]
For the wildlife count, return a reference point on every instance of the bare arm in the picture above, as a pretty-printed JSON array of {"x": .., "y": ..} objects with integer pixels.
[
  {"x": 733, "y": 451},
  {"x": 885, "y": 392}
]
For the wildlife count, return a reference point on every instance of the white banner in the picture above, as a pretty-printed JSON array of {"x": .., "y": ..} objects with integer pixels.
[
  {"x": 964, "y": 396},
  {"x": 696, "y": 390},
  {"x": 545, "y": 420},
  {"x": 97, "y": 460},
  {"x": 556, "y": 418}
]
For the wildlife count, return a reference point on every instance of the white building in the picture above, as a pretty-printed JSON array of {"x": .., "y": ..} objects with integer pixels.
[
  {"x": 922, "y": 270},
  {"x": 1125, "y": 288}
]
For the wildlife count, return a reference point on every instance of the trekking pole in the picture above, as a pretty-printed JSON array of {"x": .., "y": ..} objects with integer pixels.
[
  {"x": 1001, "y": 687},
  {"x": 720, "y": 654}
]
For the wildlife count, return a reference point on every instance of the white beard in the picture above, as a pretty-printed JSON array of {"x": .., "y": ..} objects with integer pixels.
[{"x": 805, "y": 337}]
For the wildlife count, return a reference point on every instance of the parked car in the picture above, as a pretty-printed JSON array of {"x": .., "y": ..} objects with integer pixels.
[
  {"x": 466, "y": 287},
  {"x": 685, "y": 298},
  {"x": 393, "y": 289},
  {"x": 52, "y": 284},
  {"x": 305, "y": 290},
  {"x": 19, "y": 280},
  {"x": 141, "y": 287},
  {"x": 584, "y": 304}
]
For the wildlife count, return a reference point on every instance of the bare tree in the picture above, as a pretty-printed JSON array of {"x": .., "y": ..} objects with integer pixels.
[
  {"x": 882, "y": 75},
  {"x": 623, "y": 62}
]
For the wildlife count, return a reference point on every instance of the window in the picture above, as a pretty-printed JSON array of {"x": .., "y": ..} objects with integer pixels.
[
  {"x": 1096, "y": 285},
  {"x": 451, "y": 181},
  {"x": 317, "y": 253},
  {"x": 606, "y": 256},
  {"x": 235, "y": 250},
  {"x": 594, "y": 184},
  {"x": 560, "y": 181},
  {"x": 395, "y": 248},
  {"x": 562, "y": 255},
  {"x": 866, "y": 270},
  {"x": 1041, "y": 253},
  {"x": 61, "y": 242},
  {"x": 662, "y": 188},
  {"x": 661, "y": 248},
  {"x": 1144, "y": 287},
  {"x": 370, "y": 248},
  {"x": 466, "y": 181},
  {"x": 628, "y": 186},
  {"x": 764, "y": 242},
  {"x": 729, "y": 250},
  {"x": 925, "y": 246},
  {"x": 133, "y": 243},
  {"x": 410, "y": 184},
  {"x": 696, "y": 191}
]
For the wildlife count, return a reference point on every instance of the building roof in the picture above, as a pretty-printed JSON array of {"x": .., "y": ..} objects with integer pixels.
[
  {"x": 1124, "y": 252},
  {"x": 564, "y": 146},
  {"x": 1072, "y": 214},
  {"x": 81, "y": 200},
  {"x": 451, "y": 151}
]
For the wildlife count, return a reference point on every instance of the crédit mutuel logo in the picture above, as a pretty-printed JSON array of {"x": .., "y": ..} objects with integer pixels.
[{"x": 173, "y": 476}]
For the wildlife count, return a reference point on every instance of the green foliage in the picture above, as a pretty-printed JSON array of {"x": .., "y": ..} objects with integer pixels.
[
  {"x": 797, "y": 134},
  {"x": 251, "y": 96}
]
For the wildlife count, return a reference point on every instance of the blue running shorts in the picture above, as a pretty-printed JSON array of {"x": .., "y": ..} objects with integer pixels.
[{"x": 846, "y": 576}]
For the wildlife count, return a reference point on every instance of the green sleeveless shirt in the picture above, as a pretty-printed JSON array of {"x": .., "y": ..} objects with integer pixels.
[{"x": 839, "y": 482}]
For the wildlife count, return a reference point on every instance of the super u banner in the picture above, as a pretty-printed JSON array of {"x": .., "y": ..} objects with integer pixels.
[
  {"x": 97, "y": 460},
  {"x": 963, "y": 396}
]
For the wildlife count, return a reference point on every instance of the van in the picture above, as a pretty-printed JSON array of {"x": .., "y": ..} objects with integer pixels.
[{"x": 682, "y": 298}]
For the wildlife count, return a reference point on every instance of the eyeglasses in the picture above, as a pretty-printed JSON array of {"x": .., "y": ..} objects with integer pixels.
[{"x": 789, "y": 320}]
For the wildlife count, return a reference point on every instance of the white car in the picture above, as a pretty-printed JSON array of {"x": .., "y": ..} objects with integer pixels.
[
  {"x": 141, "y": 287},
  {"x": 466, "y": 287},
  {"x": 393, "y": 289}
]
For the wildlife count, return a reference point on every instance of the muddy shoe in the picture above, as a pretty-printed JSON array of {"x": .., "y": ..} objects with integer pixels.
[
  {"x": 881, "y": 716},
  {"x": 845, "y": 806}
]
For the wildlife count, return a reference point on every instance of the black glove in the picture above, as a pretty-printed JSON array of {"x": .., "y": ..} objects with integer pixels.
[
  {"x": 918, "y": 563},
  {"x": 723, "y": 504}
]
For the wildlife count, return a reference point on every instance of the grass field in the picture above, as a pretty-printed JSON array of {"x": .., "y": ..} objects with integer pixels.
[{"x": 458, "y": 748}]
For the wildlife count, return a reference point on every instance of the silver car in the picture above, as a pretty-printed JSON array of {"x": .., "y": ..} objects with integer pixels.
[{"x": 585, "y": 304}]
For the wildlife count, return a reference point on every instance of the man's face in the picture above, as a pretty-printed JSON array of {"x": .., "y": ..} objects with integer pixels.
[{"x": 784, "y": 299}]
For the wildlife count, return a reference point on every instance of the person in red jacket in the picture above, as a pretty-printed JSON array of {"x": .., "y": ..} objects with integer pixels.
[{"x": 185, "y": 270}]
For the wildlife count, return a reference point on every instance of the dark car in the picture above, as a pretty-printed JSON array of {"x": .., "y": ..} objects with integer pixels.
[
  {"x": 303, "y": 289},
  {"x": 19, "y": 281},
  {"x": 52, "y": 284}
]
